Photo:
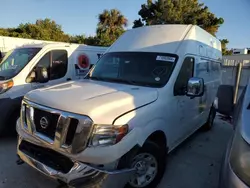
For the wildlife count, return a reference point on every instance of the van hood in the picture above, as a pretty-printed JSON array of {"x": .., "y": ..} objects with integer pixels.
[{"x": 101, "y": 101}]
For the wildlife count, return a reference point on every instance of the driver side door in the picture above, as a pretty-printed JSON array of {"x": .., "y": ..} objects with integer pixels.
[
  {"x": 56, "y": 64},
  {"x": 186, "y": 106}
]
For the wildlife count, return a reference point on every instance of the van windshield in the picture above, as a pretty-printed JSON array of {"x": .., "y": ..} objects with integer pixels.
[
  {"x": 14, "y": 62},
  {"x": 136, "y": 68}
]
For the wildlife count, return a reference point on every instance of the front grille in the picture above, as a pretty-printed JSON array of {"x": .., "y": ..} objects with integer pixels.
[
  {"x": 47, "y": 156},
  {"x": 71, "y": 131},
  {"x": 52, "y": 120},
  {"x": 64, "y": 130}
]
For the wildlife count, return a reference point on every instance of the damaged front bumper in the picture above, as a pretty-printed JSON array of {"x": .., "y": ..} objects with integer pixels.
[{"x": 74, "y": 173}]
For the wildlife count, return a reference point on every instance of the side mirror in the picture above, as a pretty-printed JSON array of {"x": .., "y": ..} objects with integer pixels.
[
  {"x": 224, "y": 103},
  {"x": 31, "y": 77},
  {"x": 42, "y": 75},
  {"x": 195, "y": 87}
]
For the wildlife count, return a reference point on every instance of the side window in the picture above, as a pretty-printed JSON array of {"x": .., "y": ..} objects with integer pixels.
[
  {"x": 186, "y": 72},
  {"x": 214, "y": 66},
  {"x": 59, "y": 64},
  {"x": 55, "y": 61},
  {"x": 44, "y": 61}
]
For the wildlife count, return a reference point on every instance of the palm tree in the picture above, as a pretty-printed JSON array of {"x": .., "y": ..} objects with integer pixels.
[{"x": 111, "y": 25}]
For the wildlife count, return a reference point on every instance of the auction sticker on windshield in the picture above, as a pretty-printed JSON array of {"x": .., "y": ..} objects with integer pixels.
[{"x": 165, "y": 58}]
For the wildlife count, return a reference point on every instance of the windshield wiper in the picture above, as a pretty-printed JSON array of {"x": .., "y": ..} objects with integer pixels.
[
  {"x": 139, "y": 83},
  {"x": 120, "y": 81},
  {"x": 96, "y": 78},
  {"x": 2, "y": 78},
  {"x": 130, "y": 82},
  {"x": 110, "y": 79}
]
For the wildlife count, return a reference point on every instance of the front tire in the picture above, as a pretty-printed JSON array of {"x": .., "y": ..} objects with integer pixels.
[
  {"x": 150, "y": 162},
  {"x": 8, "y": 128},
  {"x": 12, "y": 122},
  {"x": 210, "y": 120}
]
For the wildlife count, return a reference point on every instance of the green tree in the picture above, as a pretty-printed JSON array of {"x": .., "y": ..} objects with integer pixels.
[
  {"x": 77, "y": 39},
  {"x": 92, "y": 40},
  {"x": 42, "y": 30},
  {"x": 110, "y": 27},
  {"x": 178, "y": 12},
  {"x": 225, "y": 51},
  {"x": 82, "y": 39}
]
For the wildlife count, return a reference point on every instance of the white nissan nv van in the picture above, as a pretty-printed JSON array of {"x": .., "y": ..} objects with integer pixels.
[
  {"x": 35, "y": 66},
  {"x": 153, "y": 88}
]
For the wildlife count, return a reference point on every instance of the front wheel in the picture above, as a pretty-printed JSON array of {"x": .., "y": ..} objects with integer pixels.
[
  {"x": 150, "y": 163},
  {"x": 210, "y": 120},
  {"x": 12, "y": 122},
  {"x": 9, "y": 126}
]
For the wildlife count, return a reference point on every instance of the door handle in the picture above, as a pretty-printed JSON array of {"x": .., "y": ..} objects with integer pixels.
[{"x": 68, "y": 79}]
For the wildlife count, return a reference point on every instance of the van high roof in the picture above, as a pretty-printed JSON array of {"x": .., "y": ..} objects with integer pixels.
[{"x": 169, "y": 39}]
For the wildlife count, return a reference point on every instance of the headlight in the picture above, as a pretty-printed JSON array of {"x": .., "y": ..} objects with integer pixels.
[
  {"x": 105, "y": 135},
  {"x": 240, "y": 158},
  {"x": 6, "y": 86}
]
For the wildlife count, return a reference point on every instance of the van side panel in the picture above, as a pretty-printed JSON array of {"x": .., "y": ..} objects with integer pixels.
[
  {"x": 92, "y": 55},
  {"x": 207, "y": 52}
]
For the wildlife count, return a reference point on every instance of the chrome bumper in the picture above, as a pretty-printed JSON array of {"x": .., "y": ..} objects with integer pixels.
[{"x": 80, "y": 173}]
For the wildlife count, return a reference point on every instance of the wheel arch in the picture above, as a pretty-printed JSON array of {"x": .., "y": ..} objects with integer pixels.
[
  {"x": 154, "y": 131},
  {"x": 159, "y": 138}
]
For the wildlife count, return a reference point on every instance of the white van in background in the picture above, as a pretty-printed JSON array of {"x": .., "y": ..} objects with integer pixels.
[
  {"x": 10, "y": 43},
  {"x": 7, "y": 44},
  {"x": 153, "y": 88},
  {"x": 35, "y": 66}
]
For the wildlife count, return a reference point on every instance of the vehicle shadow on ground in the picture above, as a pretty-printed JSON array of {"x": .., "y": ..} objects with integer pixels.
[{"x": 196, "y": 162}]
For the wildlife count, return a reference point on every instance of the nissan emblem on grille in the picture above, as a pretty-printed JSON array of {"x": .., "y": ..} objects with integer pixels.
[{"x": 44, "y": 122}]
